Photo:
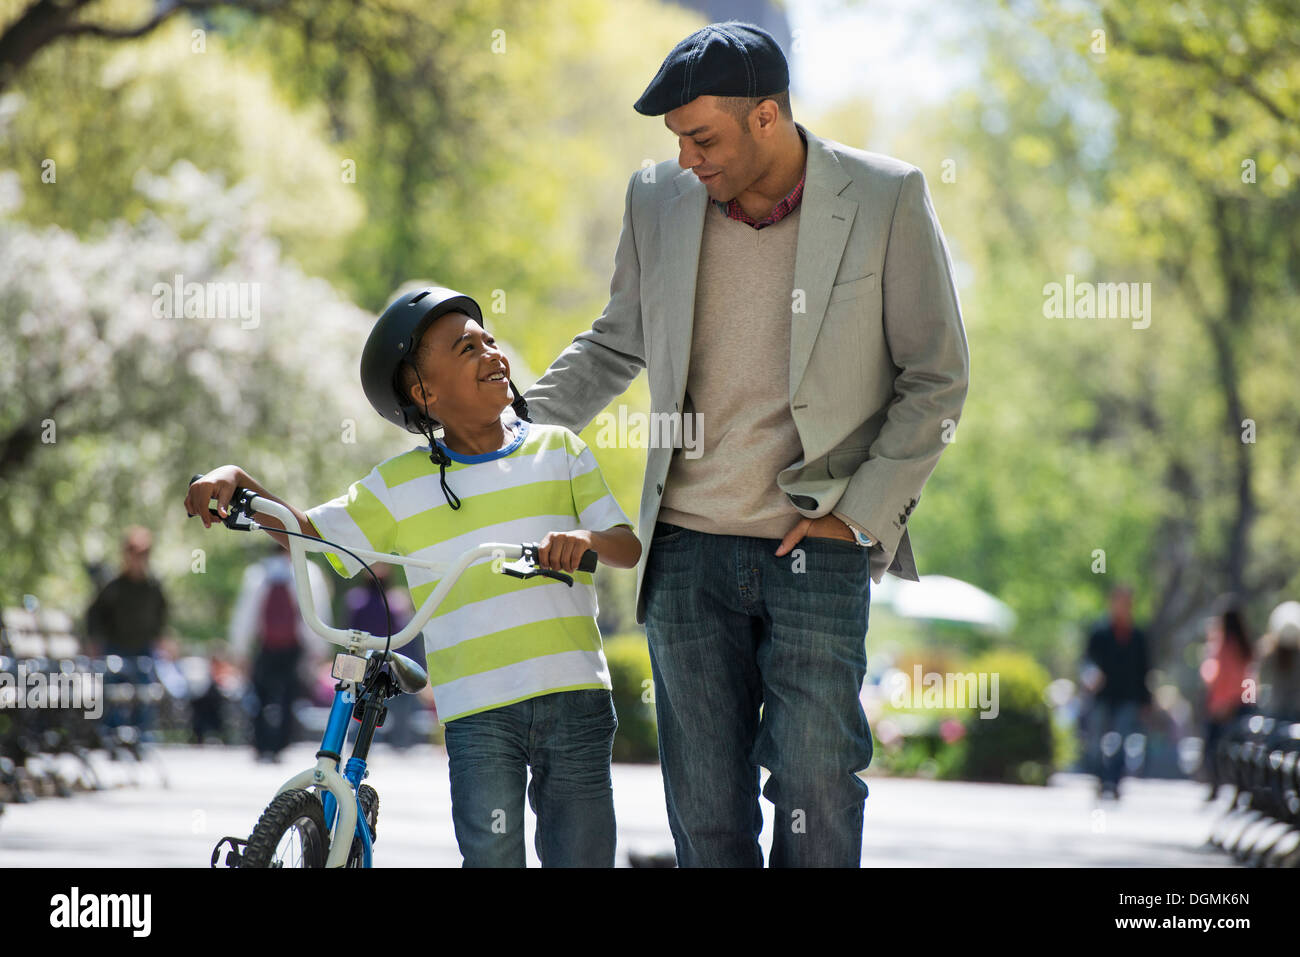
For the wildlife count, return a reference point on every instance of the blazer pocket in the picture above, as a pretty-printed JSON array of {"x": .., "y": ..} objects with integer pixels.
[{"x": 852, "y": 289}]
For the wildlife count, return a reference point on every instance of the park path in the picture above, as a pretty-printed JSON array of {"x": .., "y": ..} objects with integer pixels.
[{"x": 215, "y": 791}]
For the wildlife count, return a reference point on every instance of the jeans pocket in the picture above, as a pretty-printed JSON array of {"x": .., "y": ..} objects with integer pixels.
[
  {"x": 592, "y": 708},
  {"x": 589, "y": 702},
  {"x": 667, "y": 534}
]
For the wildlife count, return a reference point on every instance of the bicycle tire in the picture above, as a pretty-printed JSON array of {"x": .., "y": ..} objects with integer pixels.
[
  {"x": 370, "y": 807},
  {"x": 297, "y": 810}
]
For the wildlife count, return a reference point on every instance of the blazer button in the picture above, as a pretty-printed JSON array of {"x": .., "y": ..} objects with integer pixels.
[{"x": 660, "y": 489}]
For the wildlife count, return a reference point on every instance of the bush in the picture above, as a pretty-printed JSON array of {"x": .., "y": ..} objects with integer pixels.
[
  {"x": 637, "y": 739},
  {"x": 1016, "y": 747}
]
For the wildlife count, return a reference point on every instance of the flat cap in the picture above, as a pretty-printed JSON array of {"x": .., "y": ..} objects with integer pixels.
[{"x": 722, "y": 59}]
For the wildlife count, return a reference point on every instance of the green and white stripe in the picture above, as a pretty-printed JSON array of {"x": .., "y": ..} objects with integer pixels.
[{"x": 495, "y": 639}]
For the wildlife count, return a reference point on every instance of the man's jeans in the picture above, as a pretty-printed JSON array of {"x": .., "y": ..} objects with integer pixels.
[
  {"x": 567, "y": 739},
  {"x": 139, "y": 671},
  {"x": 731, "y": 627},
  {"x": 1113, "y": 723}
]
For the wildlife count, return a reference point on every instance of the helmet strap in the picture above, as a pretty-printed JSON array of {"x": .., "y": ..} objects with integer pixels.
[
  {"x": 436, "y": 454},
  {"x": 520, "y": 404}
]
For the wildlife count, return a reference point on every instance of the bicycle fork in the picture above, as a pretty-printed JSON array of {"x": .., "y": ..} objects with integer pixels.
[{"x": 340, "y": 792}]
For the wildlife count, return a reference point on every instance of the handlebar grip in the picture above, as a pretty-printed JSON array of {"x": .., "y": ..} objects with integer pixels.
[
  {"x": 588, "y": 561},
  {"x": 238, "y": 515}
]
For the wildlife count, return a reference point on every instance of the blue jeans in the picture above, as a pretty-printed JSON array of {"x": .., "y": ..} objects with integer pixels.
[
  {"x": 566, "y": 739},
  {"x": 138, "y": 671},
  {"x": 733, "y": 629},
  {"x": 1113, "y": 722}
]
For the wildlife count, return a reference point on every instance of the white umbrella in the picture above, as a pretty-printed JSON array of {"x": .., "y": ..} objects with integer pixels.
[{"x": 940, "y": 598}]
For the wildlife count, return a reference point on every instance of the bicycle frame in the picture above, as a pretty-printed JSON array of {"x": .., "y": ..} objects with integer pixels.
[{"x": 342, "y": 789}]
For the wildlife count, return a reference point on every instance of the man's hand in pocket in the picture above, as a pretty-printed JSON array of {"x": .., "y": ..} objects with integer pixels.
[{"x": 828, "y": 526}]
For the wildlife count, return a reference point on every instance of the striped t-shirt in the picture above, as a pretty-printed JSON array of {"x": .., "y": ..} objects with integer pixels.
[{"x": 495, "y": 639}]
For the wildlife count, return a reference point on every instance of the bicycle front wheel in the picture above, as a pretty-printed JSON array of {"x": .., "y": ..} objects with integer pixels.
[{"x": 290, "y": 833}]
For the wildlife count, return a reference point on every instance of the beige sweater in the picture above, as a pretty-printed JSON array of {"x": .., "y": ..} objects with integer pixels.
[{"x": 738, "y": 381}]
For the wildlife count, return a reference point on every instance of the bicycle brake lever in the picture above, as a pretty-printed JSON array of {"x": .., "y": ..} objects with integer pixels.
[
  {"x": 527, "y": 567},
  {"x": 524, "y": 569}
]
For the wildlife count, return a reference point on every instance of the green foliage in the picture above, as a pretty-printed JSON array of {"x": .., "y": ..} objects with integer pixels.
[
  {"x": 1122, "y": 163},
  {"x": 106, "y": 115},
  {"x": 115, "y": 405},
  {"x": 637, "y": 739},
  {"x": 228, "y": 164},
  {"x": 1016, "y": 747}
]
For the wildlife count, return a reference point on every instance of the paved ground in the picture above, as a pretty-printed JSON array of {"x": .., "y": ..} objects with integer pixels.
[{"x": 216, "y": 791}]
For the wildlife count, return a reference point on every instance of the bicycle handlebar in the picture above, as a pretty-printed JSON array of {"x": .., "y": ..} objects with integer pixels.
[{"x": 244, "y": 504}]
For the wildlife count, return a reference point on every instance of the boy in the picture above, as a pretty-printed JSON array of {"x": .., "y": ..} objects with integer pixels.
[{"x": 517, "y": 669}]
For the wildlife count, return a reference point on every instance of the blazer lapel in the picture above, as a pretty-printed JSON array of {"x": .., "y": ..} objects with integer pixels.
[
  {"x": 825, "y": 218},
  {"x": 681, "y": 229}
]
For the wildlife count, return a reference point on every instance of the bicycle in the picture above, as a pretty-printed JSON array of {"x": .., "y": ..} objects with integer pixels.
[{"x": 305, "y": 823}]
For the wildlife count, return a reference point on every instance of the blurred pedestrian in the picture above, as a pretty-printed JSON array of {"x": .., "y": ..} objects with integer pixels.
[
  {"x": 1115, "y": 671},
  {"x": 1225, "y": 671},
  {"x": 366, "y": 612},
  {"x": 129, "y": 614},
  {"x": 126, "y": 620},
  {"x": 279, "y": 651},
  {"x": 213, "y": 702},
  {"x": 1279, "y": 664}
]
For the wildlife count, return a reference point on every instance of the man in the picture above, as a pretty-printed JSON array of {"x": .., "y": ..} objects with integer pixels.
[
  {"x": 796, "y": 297},
  {"x": 1116, "y": 673},
  {"x": 128, "y": 615},
  {"x": 127, "y": 619}
]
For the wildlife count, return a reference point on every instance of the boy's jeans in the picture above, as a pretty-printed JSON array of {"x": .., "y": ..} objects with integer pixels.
[
  {"x": 732, "y": 627},
  {"x": 566, "y": 738}
]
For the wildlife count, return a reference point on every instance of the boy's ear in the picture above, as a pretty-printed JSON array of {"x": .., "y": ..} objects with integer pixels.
[{"x": 413, "y": 394}]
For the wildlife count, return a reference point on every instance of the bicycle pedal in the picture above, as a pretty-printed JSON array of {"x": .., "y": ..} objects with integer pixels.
[{"x": 235, "y": 855}]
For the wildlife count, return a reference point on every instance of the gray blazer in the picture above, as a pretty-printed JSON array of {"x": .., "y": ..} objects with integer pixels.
[{"x": 878, "y": 357}]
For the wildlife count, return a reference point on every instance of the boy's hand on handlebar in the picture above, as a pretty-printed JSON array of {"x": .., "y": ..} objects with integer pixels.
[
  {"x": 220, "y": 484},
  {"x": 562, "y": 551}
]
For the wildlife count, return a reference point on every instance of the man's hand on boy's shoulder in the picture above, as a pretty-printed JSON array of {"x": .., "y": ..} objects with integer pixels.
[{"x": 617, "y": 547}]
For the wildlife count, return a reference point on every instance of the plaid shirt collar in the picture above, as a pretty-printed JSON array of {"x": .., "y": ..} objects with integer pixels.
[{"x": 733, "y": 210}]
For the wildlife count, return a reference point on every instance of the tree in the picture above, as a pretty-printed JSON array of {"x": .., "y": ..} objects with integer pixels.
[
  {"x": 1110, "y": 144},
  {"x": 44, "y": 23},
  {"x": 121, "y": 388}
]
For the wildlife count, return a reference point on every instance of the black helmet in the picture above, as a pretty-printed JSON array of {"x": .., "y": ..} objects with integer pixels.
[{"x": 392, "y": 342}]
